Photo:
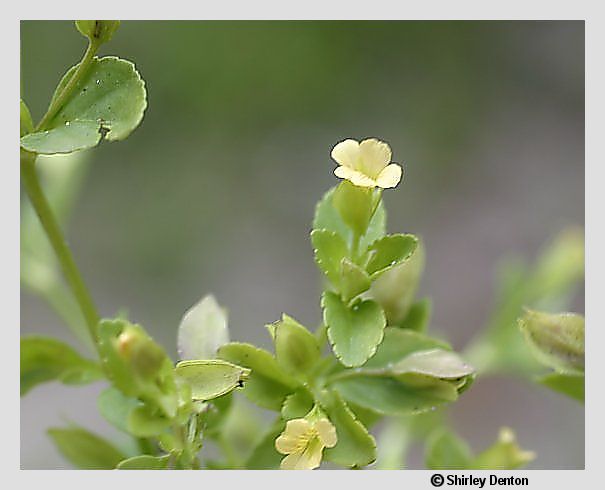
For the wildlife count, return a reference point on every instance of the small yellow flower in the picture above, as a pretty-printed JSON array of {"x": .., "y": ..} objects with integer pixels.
[
  {"x": 303, "y": 441},
  {"x": 366, "y": 164}
]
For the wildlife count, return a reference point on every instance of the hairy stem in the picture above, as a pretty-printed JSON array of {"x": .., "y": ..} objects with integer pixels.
[{"x": 29, "y": 177}]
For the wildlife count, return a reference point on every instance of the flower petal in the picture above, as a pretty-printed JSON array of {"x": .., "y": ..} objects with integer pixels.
[
  {"x": 375, "y": 155},
  {"x": 356, "y": 177},
  {"x": 346, "y": 153},
  {"x": 390, "y": 176},
  {"x": 327, "y": 432},
  {"x": 290, "y": 439},
  {"x": 308, "y": 459}
]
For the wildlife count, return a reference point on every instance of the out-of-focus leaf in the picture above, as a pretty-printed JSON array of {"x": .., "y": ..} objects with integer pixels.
[
  {"x": 264, "y": 456},
  {"x": 296, "y": 349},
  {"x": 46, "y": 359},
  {"x": 144, "y": 421},
  {"x": 297, "y": 405},
  {"x": 145, "y": 462},
  {"x": 84, "y": 449},
  {"x": 418, "y": 316},
  {"x": 569, "y": 384},
  {"x": 354, "y": 331},
  {"x": 202, "y": 330},
  {"x": 116, "y": 407},
  {"x": 446, "y": 451},
  {"x": 505, "y": 454}
]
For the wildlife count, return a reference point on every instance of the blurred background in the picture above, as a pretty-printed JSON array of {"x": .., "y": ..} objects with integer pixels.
[{"x": 215, "y": 191}]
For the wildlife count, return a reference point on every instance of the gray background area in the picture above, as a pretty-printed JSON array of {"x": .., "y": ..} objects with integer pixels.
[{"x": 215, "y": 191}]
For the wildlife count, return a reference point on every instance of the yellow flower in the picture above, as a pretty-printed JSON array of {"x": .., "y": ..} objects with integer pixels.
[
  {"x": 303, "y": 441},
  {"x": 366, "y": 164}
]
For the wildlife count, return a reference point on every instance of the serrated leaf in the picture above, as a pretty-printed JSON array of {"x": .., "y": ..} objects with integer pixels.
[
  {"x": 355, "y": 446},
  {"x": 446, "y": 451},
  {"x": 418, "y": 316},
  {"x": 557, "y": 340},
  {"x": 297, "y": 405},
  {"x": 203, "y": 329},
  {"x": 46, "y": 359},
  {"x": 84, "y": 449},
  {"x": 268, "y": 385},
  {"x": 115, "y": 407},
  {"x": 353, "y": 280},
  {"x": 145, "y": 462},
  {"x": 329, "y": 249},
  {"x": 505, "y": 454},
  {"x": 569, "y": 384},
  {"x": 355, "y": 331},
  {"x": 296, "y": 349},
  {"x": 108, "y": 103},
  {"x": 390, "y": 251},
  {"x": 211, "y": 378}
]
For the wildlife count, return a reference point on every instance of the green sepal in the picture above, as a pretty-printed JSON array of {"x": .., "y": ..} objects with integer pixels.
[
  {"x": 388, "y": 252},
  {"x": 446, "y": 451},
  {"x": 107, "y": 103},
  {"x": 84, "y": 449},
  {"x": 211, "y": 378},
  {"x": 355, "y": 205},
  {"x": 145, "y": 462},
  {"x": 354, "y": 331},
  {"x": 98, "y": 31},
  {"x": 556, "y": 340},
  {"x": 355, "y": 446},
  {"x": 46, "y": 359},
  {"x": 329, "y": 249},
  {"x": 571, "y": 385},
  {"x": 268, "y": 385},
  {"x": 296, "y": 349}
]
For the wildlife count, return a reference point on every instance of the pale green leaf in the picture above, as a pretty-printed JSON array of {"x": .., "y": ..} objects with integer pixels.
[
  {"x": 84, "y": 449},
  {"x": 446, "y": 451},
  {"x": 115, "y": 407},
  {"x": 211, "y": 378},
  {"x": 145, "y": 462},
  {"x": 353, "y": 280},
  {"x": 505, "y": 454},
  {"x": 569, "y": 384},
  {"x": 390, "y": 251},
  {"x": 296, "y": 349},
  {"x": 329, "y": 249}
]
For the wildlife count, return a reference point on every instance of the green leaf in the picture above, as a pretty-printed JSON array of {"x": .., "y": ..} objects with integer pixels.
[
  {"x": 436, "y": 363},
  {"x": 569, "y": 384},
  {"x": 297, "y": 405},
  {"x": 355, "y": 205},
  {"x": 418, "y": 316},
  {"x": 145, "y": 462},
  {"x": 203, "y": 330},
  {"x": 355, "y": 446},
  {"x": 45, "y": 359},
  {"x": 376, "y": 229},
  {"x": 329, "y": 249},
  {"x": 446, "y": 451},
  {"x": 390, "y": 251},
  {"x": 264, "y": 456},
  {"x": 145, "y": 421},
  {"x": 389, "y": 396},
  {"x": 557, "y": 340},
  {"x": 268, "y": 384},
  {"x": 505, "y": 454},
  {"x": 399, "y": 343},
  {"x": 211, "y": 379},
  {"x": 108, "y": 102},
  {"x": 296, "y": 349},
  {"x": 84, "y": 449},
  {"x": 395, "y": 289},
  {"x": 353, "y": 280},
  {"x": 115, "y": 407},
  {"x": 355, "y": 331}
]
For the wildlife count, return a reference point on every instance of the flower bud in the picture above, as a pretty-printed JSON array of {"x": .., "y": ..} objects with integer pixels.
[
  {"x": 140, "y": 351},
  {"x": 98, "y": 31}
]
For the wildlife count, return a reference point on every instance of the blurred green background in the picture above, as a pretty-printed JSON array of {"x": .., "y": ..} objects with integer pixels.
[{"x": 215, "y": 191}]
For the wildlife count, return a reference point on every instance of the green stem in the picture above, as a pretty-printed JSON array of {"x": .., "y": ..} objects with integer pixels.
[
  {"x": 58, "y": 101},
  {"x": 31, "y": 183}
]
